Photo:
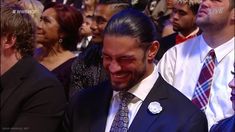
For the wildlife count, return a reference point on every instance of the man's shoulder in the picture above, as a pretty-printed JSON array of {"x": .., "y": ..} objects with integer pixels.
[
  {"x": 176, "y": 108},
  {"x": 171, "y": 90},
  {"x": 185, "y": 48},
  {"x": 177, "y": 99},
  {"x": 226, "y": 125},
  {"x": 168, "y": 40},
  {"x": 91, "y": 93},
  {"x": 173, "y": 35},
  {"x": 37, "y": 76}
]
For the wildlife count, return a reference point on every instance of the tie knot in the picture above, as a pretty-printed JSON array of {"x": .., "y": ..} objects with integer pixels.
[
  {"x": 126, "y": 97},
  {"x": 212, "y": 54}
]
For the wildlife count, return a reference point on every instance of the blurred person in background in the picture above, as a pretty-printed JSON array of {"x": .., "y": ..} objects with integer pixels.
[
  {"x": 9, "y": 1},
  {"x": 183, "y": 23},
  {"x": 160, "y": 12},
  {"x": 87, "y": 69},
  {"x": 35, "y": 9},
  {"x": 88, "y": 6},
  {"x": 85, "y": 32}
]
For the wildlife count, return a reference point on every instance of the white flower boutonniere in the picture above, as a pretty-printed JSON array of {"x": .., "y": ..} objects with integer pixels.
[{"x": 155, "y": 107}]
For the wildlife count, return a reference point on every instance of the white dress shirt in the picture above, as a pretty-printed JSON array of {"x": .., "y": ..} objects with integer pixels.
[
  {"x": 181, "y": 65},
  {"x": 140, "y": 91}
]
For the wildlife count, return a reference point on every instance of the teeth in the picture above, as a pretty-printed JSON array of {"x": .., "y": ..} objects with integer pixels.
[{"x": 119, "y": 75}]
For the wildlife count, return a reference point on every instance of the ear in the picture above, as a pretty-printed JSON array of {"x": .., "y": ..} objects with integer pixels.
[
  {"x": 61, "y": 34},
  {"x": 9, "y": 41},
  {"x": 152, "y": 51}
]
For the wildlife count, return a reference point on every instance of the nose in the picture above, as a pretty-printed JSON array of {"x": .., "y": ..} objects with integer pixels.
[
  {"x": 232, "y": 83},
  {"x": 39, "y": 25},
  {"x": 204, "y": 4},
  {"x": 93, "y": 26},
  {"x": 83, "y": 24},
  {"x": 114, "y": 67},
  {"x": 175, "y": 16}
]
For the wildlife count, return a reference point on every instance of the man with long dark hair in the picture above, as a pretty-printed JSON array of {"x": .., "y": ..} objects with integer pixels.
[{"x": 136, "y": 98}]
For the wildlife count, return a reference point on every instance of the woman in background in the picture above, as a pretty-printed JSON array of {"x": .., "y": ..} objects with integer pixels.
[{"x": 58, "y": 33}]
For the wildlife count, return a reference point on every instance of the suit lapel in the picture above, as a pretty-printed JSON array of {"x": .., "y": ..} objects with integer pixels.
[
  {"x": 99, "y": 117},
  {"x": 13, "y": 78},
  {"x": 157, "y": 93}
]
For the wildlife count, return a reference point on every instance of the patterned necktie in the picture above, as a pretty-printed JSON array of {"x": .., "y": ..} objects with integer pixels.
[
  {"x": 121, "y": 120},
  {"x": 203, "y": 86}
]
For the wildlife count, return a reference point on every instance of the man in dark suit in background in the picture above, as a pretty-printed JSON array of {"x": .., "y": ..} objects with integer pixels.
[
  {"x": 147, "y": 103},
  {"x": 32, "y": 99},
  {"x": 184, "y": 24}
]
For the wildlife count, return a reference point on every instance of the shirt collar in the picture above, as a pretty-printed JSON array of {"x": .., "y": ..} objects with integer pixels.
[
  {"x": 191, "y": 34},
  {"x": 89, "y": 38},
  {"x": 142, "y": 89},
  {"x": 220, "y": 51},
  {"x": 224, "y": 49}
]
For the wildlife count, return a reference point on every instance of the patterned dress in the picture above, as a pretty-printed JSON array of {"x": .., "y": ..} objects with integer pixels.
[{"x": 87, "y": 69}]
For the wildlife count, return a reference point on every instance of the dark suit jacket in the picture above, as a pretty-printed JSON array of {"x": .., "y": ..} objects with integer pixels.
[
  {"x": 226, "y": 125},
  {"x": 166, "y": 43},
  {"x": 32, "y": 99},
  {"x": 88, "y": 111}
]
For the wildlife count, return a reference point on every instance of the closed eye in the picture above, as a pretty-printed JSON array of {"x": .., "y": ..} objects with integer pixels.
[
  {"x": 125, "y": 60},
  {"x": 44, "y": 19}
]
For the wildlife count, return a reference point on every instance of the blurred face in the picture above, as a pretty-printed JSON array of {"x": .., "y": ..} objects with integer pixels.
[
  {"x": 183, "y": 19},
  {"x": 85, "y": 29},
  {"x": 48, "y": 28},
  {"x": 124, "y": 61},
  {"x": 101, "y": 17},
  {"x": 169, "y": 4},
  {"x": 232, "y": 86},
  {"x": 10, "y": 1},
  {"x": 152, "y": 5},
  {"x": 3, "y": 40},
  {"x": 89, "y": 2},
  {"x": 213, "y": 12}
]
